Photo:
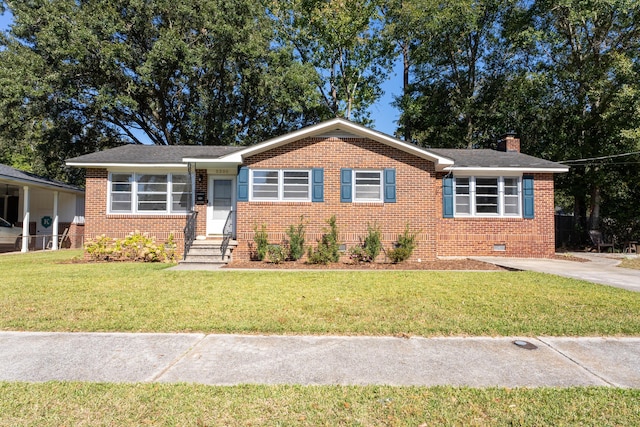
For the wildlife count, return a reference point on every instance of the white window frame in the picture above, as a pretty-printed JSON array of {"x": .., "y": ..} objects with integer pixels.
[
  {"x": 280, "y": 185},
  {"x": 354, "y": 184},
  {"x": 501, "y": 197},
  {"x": 133, "y": 203}
]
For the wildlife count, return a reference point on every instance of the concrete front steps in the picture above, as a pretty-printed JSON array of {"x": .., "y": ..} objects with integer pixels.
[{"x": 209, "y": 251}]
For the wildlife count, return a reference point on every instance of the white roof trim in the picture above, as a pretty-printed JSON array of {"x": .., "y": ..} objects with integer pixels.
[
  {"x": 324, "y": 127},
  {"x": 226, "y": 160},
  {"x": 480, "y": 170},
  {"x": 31, "y": 184},
  {"x": 128, "y": 165}
]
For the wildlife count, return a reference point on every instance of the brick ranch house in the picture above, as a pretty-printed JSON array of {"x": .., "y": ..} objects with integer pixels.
[{"x": 459, "y": 202}]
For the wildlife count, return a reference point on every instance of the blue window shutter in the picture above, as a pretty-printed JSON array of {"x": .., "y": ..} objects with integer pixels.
[
  {"x": 243, "y": 184},
  {"x": 447, "y": 197},
  {"x": 527, "y": 196},
  {"x": 346, "y": 175},
  {"x": 317, "y": 187},
  {"x": 389, "y": 185}
]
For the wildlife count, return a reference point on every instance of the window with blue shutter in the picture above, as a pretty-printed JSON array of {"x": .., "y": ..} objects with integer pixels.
[
  {"x": 447, "y": 197},
  {"x": 317, "y": 190},
  {"x": 346, "y": 176},
  {"x": 389, "y": 185},
  {"x": 527, "y": 197},
  {"x": 243, "y": 184}
]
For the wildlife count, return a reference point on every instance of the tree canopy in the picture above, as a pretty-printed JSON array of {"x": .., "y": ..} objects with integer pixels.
[{"x": 79, "y": 76}]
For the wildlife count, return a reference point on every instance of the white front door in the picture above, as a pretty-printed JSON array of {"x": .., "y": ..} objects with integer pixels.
[{"x": 221, "y": 207}]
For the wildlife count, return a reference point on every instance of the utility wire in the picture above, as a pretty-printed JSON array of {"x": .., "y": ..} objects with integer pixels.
[
  {"x": 600, "y": 164},
  {"x": 600, "y": 158}
]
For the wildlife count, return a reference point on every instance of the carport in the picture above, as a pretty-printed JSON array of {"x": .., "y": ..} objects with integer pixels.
[{"x": 44, "y": 208}]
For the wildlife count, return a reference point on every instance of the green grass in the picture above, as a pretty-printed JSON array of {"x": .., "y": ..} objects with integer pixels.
[
  {"x": 39, "y": 293},
  {"x": 631, "y": 263},
  {"x": 81, "y": 404}
]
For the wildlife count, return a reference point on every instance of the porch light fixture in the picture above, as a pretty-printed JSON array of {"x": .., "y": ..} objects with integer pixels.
[{"x": 199, "y": 178}]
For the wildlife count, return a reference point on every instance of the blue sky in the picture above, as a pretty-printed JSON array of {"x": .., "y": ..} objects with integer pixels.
[{"x": 383, "y": 113}]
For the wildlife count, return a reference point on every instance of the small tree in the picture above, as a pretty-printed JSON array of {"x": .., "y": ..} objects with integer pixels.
[
  {"x": 296, "y": 240},
  {"x": 262, "y": 242},
  {"x": 372, "y": 243},
  {"x": 404, "y": 247},
  {"x": 370, "y": 247},
  {"x": 328, "y": 249}
]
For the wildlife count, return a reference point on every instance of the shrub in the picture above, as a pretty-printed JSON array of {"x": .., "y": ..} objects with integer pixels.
[
  {"x": 372, "y": 243},
  {"x": 135, "y": 247},
  {"x": 358, "y": 254},
  {"x": 277, "y": 253},
  {"x": 100, "y": 248},
  {"x": 262, "y": 242},
  {"x": 328, "y": 249},
  {"x": 404, "y": 247},
  {"x": 296, "y": 240},
  {"x": 370, "y": 247}
]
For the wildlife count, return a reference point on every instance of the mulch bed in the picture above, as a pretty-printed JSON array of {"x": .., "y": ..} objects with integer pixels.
[
  {"x": 450, "y": 264},
  {"x": 457, "y": 264}
]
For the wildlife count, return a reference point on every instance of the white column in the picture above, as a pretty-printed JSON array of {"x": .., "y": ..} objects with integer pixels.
[
  {"x": 54, "y": 245},
  {"x": 25, "y": 219}
]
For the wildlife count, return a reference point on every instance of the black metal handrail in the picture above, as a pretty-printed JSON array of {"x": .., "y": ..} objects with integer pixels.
[
  {"x": 189, "y": 232},
  {"x": 227, "y": 233}
]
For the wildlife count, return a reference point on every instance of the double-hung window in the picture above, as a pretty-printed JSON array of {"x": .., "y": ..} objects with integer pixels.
[
  {"x": 152, "y": 192},
  {"x": 367, "y": 186},
  {"x": 148, "y": 193},
  {"x": 488, "y": 196},
  {"x": 280, "y": 185}
]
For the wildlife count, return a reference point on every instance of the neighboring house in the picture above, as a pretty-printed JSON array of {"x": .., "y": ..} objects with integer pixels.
[
  {"x": 459, "y": 202},
  {"x": 42, "y": 208}
]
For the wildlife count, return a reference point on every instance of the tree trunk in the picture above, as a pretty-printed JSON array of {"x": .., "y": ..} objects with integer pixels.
[
  {"x": 594, "y": 216},
  {"x": 405, "y": 84},
  {"x": 580, "y": 218}
]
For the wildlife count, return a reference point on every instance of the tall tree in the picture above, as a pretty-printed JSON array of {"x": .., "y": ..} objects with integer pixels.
[
  {"x": 169, "y": 72},
  {"x": 587, "y": 60},
  {"x": 341, "y": 41},
  {"x": 459, "y": 63}
]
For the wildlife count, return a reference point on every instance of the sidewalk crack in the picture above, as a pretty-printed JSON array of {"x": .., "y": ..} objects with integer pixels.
[
  {"x": 175, "y": 361},
  {"x": 576, "y": 362}
]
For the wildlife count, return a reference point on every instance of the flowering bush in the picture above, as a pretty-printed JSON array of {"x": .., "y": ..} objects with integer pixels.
[{"x": 136, "y": 246}]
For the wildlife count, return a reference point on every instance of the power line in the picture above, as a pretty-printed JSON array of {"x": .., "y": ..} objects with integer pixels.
[
  {"x": 600, "y": 158},
  {"x": 600, "y": 164}
]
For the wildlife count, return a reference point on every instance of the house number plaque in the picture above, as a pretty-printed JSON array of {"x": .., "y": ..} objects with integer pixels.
[{"x": 223, "y": 172}]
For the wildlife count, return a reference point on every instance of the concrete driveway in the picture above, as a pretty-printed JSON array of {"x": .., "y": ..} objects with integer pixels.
[
  {"x": 308, "y": 360},
  {"x": 600, "y": 268}
]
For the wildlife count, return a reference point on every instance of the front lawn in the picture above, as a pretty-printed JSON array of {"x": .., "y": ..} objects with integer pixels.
[
  {"x": 56, "y": 404},
  {"x": 40, "y": 293}
]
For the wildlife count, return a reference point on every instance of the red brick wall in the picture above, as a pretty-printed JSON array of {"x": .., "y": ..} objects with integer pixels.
[
  {"x": 418, "y": 195},
  {"x": 97, "y": 221},
  {"x": 75, "y": 236},
  {"x": 415, "y": 195},
  {"x": 522, "y": 237}
]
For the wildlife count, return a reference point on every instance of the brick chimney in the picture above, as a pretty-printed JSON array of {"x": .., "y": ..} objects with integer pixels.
[{"x": 509, "y": 143}]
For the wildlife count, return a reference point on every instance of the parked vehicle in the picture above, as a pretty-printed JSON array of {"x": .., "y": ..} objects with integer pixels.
[{"x": 10, "y": 235}]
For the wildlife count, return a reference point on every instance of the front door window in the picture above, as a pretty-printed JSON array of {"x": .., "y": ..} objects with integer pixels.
[
  {"x": 221, "y": 198},
  {"x": 221, "y": 205}
]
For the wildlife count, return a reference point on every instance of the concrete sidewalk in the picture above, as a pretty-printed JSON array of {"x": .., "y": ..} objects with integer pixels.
[
  {"x": 600, "y": 268},
  {"x": 240, "y": 359}
]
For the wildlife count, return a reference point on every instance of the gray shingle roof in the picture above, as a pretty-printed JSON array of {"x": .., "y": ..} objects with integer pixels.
[
  {"x": 483, "y": 158},
  {"x": 173, "y": 154},
  {"x": 12, "y": 174},
  {"x": 150, "y": 154}
]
